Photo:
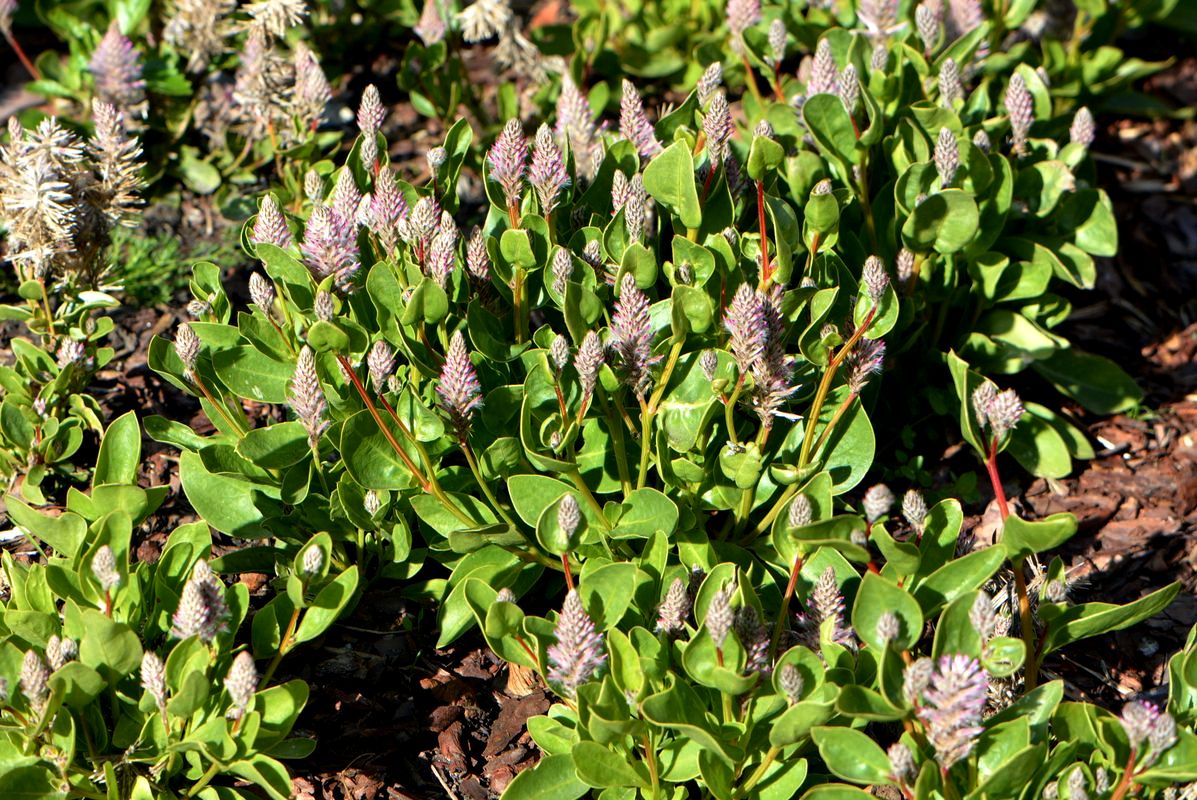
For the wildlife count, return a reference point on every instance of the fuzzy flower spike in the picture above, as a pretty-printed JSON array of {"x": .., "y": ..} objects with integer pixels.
[
  {"x": 634, "y": 125},
  {"x": 578, "y": 653},
  {"x": 631, "y": 335},
  {"x": 508, "y": 161},
  {"x": 459, "y": 389},
  {"x": 116, "y": 67}
]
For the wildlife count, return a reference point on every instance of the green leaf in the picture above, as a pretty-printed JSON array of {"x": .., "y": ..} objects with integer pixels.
[
  {"x": 836, "y": 791},
  {"x": 832, "y": 129},
  {"x": 1021, "y": 538},
  {"x": 1094, "y": 381},
  {"x": 646, "y": 511},
  {"x": 120, "y": 452},
  {"x": 679, "y": 708},
  {"x": 252, "y": 374},
  {"x": 853, "y": 756},
  {"x": 328, "y": 606},
  {"x": 29, "y": 782},
  {"x": 669, "y": 179},
  {"x": 876, "y": 596},
  {"x": 945, "y": 222},
  {"x": 1091, "y": 619},
  {"x": 599, "y": 767},
  {"x": 226, "y": 503},
  {"x": 607, "y": 591},
  {"x": 65, "y": 533},
  {"x": 554, "y": 778},
  {"x": 276, "y": 446},
  {"x": 112, "y": 645}
]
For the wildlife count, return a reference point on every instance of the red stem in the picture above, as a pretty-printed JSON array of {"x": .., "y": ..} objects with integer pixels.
[
  {"x": 766, "y": 268},
  {"x": 569, "y": 578},
  {"x": 24, "y": 59},
  {"x": 995, "y": 479}
]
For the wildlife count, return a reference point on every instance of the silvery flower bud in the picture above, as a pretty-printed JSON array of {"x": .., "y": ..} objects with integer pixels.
[
  {"x": 380, "y": 362},
  {"x": 777, "y": 43},
  {"x": 437, "y": 157},
  {"x": 982, "y": 616},
  {"x": 712, "y": 79},
  {"x": 821, "y": 188},
  {"x": 764, "y": 129},
  {"x": 874, "y": 278},
  {"x": 313, "y": 561},
  {"x": 187, "y": 348},
  {"x": 708, "y": 362},
  {"x": 790, "y": 680},
  {"x": 35, "y": 680},
  {"x": 559, "y": 352},
  {"x": 671, "y": 616},
  {"x": 947, "y": 157},
  {"x": 1056, "y": 592},
  {"x": 372, "y": 502},
  {"x": 563, "y": 270},
  {"x": 59, "y": 652},
  {"x": 950, "y": 87},
  {"x": 889, "y": 627},
  {"x": 905, "y": 267},
  {"x": 720, "y": 617},
  {"x": 915, "y": 680},
  {"x": 849, "y": 88},
  {"x": 261, "y": 292},
  {"x": 880, "y": 58},
  {"x": 914, "y": 509},
  {"x": 103, "y": 567},
  {"x": 878, "y": 500},
  {"x": 313, "y": 186},
  {"x": 569, "y": 517},
  {"x": 901, "y": 762},
  {"x": 928, "y": 24},
  {"x": 241, "y": 684},
  {"x": 800, "y": 514},
  {"x": 505, "y": 595},
  {"x": 153, "y": 678},
  {"x": 324, "y": 307},
  {"x": 1083, "y": 130},
  {"x": 70, "y": 352},
  {"x": 981, "y": 140}
]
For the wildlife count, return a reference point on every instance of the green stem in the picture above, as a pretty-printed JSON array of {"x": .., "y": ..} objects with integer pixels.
[
  {"x": 649, "y": 412},
  {"x": 812, "y": 419},
  {"x": 520, "y": 312},
  {"x": 651, "y": 759},
  {"x": 617, "y": 440},
  {"x": 588, "y": 496},
  {"x": 783, "y": 612},
  {"x": 729, "y": 409},
  {"x": 283, "y": 646},
  {"x": 212, "y": 772},
  {"x": 219, "y": 406},
  {"x": 758, "y": 773},
  {"x": 482, "y": 484}
]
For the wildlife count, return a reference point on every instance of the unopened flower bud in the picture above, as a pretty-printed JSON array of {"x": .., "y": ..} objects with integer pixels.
[
  {"x": 505, "y": 595},
  {"x": 905, "y": 267},
  {"x": 187, "y": 347},
  {"x": 563, "y": 270},
  {"x": 372, "y": 502},
  {"x": 153, "y": 678},
  {"x": 1083, "y": 130},
  {"x": 671, "y": 616},
  {"x": 569, "y": 517},
  {"x": 261, "y": 292},
  {"x": 720, "y": 617},
  {"x": 947, "y": 157},
  {"x": 313, "y": 186},
  {"x": 889, "y": 627},
  {"x": 103, "y": 567},
  {"x": 708, "y": 362},
  {"x": 914, "y": 509},
  {"x": 241, "y": 684},
  {"x": 437, "y": 157},
  {"x": 901, "y": 762},
  {"x": 324, "y": 307},
  {"x": 878, "y": 500},
  {"x": 1056, "y": 591},
  {"x": 982, "y": 616},
  {"x": 1020, "y": 106},
  {"x": 559, "y": 352},
  {"x": 380, "y": 362},
  {"x": 981, "y": 140},
  {"x": 950, "y": 87},
  {"x": 791, "y": 683},
  {"x": 313, "y": 561},
  {"x": 875, "y": 278},
  {"x": 35, "y": 680},
  {"x": 801, "y": 513}
]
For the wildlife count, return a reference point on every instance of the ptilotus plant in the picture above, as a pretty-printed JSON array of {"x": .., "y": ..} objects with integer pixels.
[
  {"x": 123, "y": 678},
  {"x": 61, "y": 197}
]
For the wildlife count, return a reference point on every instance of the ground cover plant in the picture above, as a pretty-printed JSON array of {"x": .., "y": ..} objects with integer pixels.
[{"x": 601, "y": 387}]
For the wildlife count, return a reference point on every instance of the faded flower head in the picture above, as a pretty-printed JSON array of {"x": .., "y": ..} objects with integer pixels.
[
  {"x": 508, "y": 159},
  {"x": 202, "y": 610},
  {"x": 866, "y": 359},
  {"x": 578, "y": 653},
  {"x": 953, "y": 703},
  {"x": 484, "y": 19},
  {"x": 633, "y": 122},
  {"x": 459, "y": 389},
  {"x": 116, "y": 67},
  {"x": 241, "y": 682},
  {"x": 275, "y": 17}
]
